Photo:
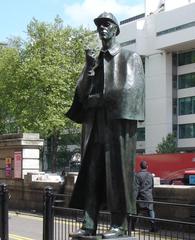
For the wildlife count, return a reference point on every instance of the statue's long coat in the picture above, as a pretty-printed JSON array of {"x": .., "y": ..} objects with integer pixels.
[{"x": 123, "y": 99}]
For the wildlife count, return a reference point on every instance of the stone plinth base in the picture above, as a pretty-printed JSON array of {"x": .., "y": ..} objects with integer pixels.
[
  {"x": 99, "y": 237},
  {"x": 20, "y": 154}
]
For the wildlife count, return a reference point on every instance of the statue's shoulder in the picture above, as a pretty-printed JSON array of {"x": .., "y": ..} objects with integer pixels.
[{"x": 129, "y": 54}]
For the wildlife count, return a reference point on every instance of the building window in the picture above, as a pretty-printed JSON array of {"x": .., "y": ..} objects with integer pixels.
[
  {"x": 176, "y": 28},
  {"x": 133, "y": 18},
  {"x": 174, "y": 81},
  {"x": 193, "y": 104},
  {"x": 175, "y": 129},
  {"x": 141, "y": 134},
  {"x": 186, "y": 80},
  {"x": 187, "y": 105},
  {"x": 175, "y": 106},
  {"x": 186, "y": 58},
  {"x": 187, "y": 130},
  {"x": 123, "y": 44}
]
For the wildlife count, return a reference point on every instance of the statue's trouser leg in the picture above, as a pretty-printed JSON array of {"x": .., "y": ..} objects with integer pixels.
[
  {"x": 120, "y": 158},
  {"x": 95, "y": 185}
]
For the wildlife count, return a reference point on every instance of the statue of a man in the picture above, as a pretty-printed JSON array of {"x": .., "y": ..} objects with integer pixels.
[{"x": 109, "y": 100}]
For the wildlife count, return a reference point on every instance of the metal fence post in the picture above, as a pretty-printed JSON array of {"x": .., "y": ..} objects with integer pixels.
[
  {"x": 129, "y": 223},
  {"x": 3, "y": 212},
  {"x": 48, "y": 214}
]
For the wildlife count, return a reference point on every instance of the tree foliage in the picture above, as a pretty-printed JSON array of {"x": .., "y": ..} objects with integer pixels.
[
  {"x": 38, "y": 76},
  {"x": 168, "y": 144},
  {"x": 9, "y": 63}
]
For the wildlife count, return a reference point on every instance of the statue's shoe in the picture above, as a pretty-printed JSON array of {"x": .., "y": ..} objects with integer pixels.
[
  {"x": 82, "y": 232},
  {"x": 114, "y": 232}
]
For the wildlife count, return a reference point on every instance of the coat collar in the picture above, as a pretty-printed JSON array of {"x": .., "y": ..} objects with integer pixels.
[
  {"x": 114, "y": 50},
  {"x": 108, "y": 53}
]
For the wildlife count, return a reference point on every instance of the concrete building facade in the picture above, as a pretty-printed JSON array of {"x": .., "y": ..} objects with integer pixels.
[{"x": 165, "y": 37}]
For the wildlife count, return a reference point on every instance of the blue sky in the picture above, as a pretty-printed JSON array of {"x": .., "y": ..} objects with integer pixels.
[{"x": 16, "y": 14}]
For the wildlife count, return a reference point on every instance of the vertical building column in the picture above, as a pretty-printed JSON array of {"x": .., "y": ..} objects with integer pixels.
[{"x": 158, "y": 77}]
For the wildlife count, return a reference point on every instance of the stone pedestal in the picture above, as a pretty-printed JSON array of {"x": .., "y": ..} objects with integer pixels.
[
  {"x": 19, "y": 154},
  {"x": 99, "y": 237},
  {"x": 123, "y": 238}
]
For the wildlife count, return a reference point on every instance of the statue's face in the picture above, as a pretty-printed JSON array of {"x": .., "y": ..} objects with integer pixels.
[{"x": 107, "y": 30}]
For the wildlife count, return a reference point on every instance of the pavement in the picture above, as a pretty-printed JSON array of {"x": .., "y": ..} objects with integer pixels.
[
  {"x": 28, "y": 226},
  {"x": 25, "y": 226}
]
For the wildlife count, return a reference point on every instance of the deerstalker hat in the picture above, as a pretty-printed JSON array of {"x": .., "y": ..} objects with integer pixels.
[{"x": 107, "y": 16}]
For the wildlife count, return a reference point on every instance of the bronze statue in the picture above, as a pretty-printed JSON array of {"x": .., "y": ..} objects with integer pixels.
[{"x": 109, "y": 100}]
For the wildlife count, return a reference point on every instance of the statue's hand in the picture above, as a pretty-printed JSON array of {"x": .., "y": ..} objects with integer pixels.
[{"x": 90, "y": 58}]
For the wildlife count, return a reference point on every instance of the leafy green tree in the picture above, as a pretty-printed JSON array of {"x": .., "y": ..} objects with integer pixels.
[
  {"x": 42, "y": 78},
  {"x": 9, "y": 63},
  {"x": 168, "y": 145},
  {"x": 51, "y": 64}
]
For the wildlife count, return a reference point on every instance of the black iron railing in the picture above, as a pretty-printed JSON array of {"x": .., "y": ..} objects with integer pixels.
[
  {"x": 3, "y": 212},
  {"x": 64, "y": 220}
]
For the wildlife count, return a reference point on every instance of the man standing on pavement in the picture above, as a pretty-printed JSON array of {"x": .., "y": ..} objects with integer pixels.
[
  {"x": 109, "y": 100},
  {"x": 145, "y": 185}
]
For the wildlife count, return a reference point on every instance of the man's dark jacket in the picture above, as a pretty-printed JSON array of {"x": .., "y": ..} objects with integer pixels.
[
  {"x": 122, "y": 97},
  {"x": 145, "y": 185}
]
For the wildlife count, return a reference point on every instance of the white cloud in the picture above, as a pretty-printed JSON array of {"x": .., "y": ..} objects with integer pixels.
[{"x": 83, "y": 13}]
